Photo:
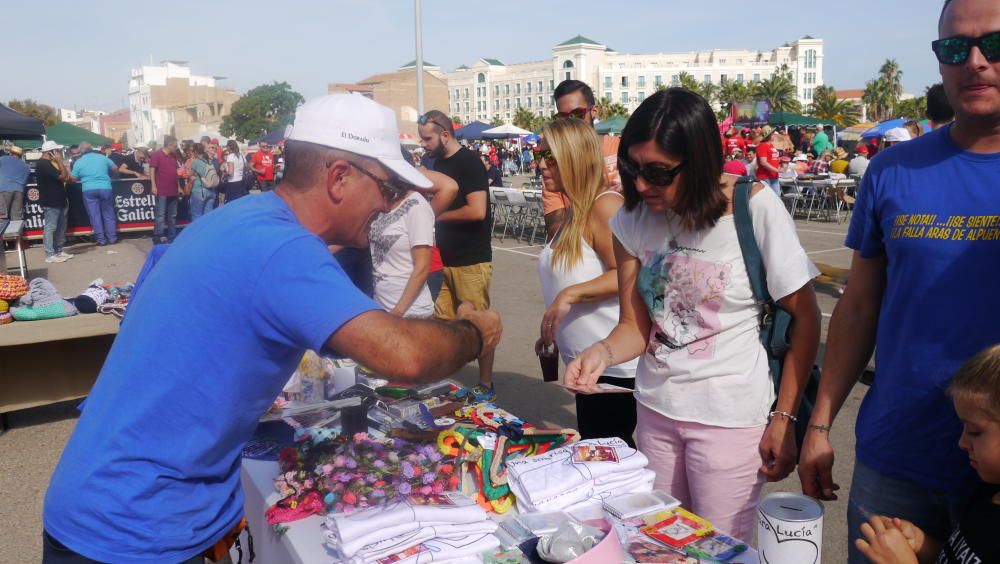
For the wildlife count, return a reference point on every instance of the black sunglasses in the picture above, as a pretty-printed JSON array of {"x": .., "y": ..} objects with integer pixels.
[
  {"x": 390, "y": 191},
  {"x": 424, "y": 120},
  {"x": 657, "y": 175},
  {"x": 955, "y": 50}
]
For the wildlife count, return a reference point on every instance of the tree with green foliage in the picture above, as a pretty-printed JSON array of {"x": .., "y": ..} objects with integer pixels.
[
  {"x": 456, "y": 120},
  {"x": 496, "y": 121},
  {"x": 262, "y": 109},
  {"x": 826, "y": 106},
  {"x": 780, "y": 91},
  {"x": 31, "y": 108},
  {"x": 526, "y": 119},
  {"x": 914, "y": 108},
  {"x": 706, "y": 90},
  {"x": 882, "y": 93},
  {"x": 609, "y": 109},
  {"x": 730, "y": 93}
]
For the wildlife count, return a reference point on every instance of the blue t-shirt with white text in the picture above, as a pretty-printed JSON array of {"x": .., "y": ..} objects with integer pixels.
[
  {"x": 151, "y": 472},
  {"x": 933, "y": 210}
]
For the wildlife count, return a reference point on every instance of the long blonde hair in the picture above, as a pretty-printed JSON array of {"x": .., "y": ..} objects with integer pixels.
[{"x": 577, "y": 152}]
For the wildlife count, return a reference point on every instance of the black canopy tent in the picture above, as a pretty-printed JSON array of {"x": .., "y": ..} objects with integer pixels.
[{"x": 14, "y": 125}]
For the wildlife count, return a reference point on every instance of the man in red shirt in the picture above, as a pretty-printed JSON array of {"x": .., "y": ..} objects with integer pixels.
[
  {"x": 263, "y": 165},
  {"x": 732, "y": 142},
  {"x": 768, "y": 160},
  {"x": 163, "y": 179}
]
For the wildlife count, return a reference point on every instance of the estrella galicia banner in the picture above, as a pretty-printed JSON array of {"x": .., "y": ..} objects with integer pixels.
[{"x": 135, "y": 207}]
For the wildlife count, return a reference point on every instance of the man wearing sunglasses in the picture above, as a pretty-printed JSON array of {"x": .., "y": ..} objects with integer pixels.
[
  {"x": 574, "y": 99},
  {"x": 463, "y": 231},
  {"x": 152, "y": 471},
  {"x": 263, "y": 164},
  {"x": 926, "y": 237}
]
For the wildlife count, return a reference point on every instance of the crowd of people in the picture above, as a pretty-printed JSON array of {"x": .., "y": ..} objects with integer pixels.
[{"x": 646, "y": 289}]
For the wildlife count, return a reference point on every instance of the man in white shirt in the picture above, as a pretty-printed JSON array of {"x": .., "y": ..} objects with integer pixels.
[{"x": 859, "y": 164}]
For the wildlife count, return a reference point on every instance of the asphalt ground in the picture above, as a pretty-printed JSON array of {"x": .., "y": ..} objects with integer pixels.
[{"x": 31, "y": 447}]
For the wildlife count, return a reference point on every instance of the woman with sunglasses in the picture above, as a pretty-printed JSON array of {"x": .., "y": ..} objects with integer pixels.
[
  {"x": 703, "y": 387},
  {"x": 577, "y": 271}
]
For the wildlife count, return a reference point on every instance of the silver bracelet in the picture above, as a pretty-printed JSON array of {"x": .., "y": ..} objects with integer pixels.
[
  {"x": 784, "y": 414},
  {"x": 607, "y": 349}
]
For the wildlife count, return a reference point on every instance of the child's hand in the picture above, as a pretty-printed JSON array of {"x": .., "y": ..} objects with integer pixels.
[
  {"x": 885, "y": 543},
  {"x": 914, "y": 535}
]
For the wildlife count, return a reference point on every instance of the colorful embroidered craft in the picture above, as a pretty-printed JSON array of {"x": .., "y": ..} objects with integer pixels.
[{"x": 12, "y": 287}]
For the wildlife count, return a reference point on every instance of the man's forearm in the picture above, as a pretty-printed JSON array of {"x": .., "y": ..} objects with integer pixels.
[
  {"x": 464, "y": 214},
  {"x": 850, "y": 343},
  {"x": 428, "y": 349}
]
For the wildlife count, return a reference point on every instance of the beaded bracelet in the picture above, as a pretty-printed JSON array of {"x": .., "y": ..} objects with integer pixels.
[{"x": 784, "y": 414}]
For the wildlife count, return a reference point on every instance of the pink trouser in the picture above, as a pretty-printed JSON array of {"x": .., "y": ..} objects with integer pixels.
[{"x": 713, "y": 471}]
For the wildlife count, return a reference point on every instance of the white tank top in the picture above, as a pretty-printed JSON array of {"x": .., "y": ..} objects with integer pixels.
[{"x": 586, "y": 323}]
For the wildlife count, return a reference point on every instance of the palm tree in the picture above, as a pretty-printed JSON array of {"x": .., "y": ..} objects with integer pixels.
[
  {"x": 526, "y": 119},
  {"x": 826, "y": 106},
  {"x": 706, "y": 90},
  {"x": 890, "y": 73},
  {"x": 781, "y": 92},
  {"x": 731, "y": 92},
  {"x": 876, "y": 99},
  {"x": 611, "y": 109}
]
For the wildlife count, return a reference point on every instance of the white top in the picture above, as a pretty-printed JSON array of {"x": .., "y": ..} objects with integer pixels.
[
  {"x": 704, "y": 361},
  {"x": 393, "y": 234},
  {"x": 586, "y": 323},
  {"x": 237, "y": 161}
]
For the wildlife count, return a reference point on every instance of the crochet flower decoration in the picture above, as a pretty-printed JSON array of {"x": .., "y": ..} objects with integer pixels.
[{"x": 351, "y": 473}]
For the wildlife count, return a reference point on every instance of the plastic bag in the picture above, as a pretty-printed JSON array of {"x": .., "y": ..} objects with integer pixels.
[{"x": 570, "y": 541}]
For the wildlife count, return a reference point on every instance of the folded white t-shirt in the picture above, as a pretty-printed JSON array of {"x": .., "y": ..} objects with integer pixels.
[
  {"x": 550, "y": 474},
  {"x": 447, "y": 531},
  {"x": 632, "y": 482},
  {"x": 373, "y": 524}
]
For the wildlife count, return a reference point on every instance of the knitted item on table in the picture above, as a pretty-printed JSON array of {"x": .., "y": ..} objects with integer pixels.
[
  {"x": 12, "y": 287},
  {"x": 94, "y": 296},
  {"x": 6, "y": 318},
  {"x": 40, "y": 293},
  {"x": 3, "y": 306},
  {"x": 54, "y": 310}
]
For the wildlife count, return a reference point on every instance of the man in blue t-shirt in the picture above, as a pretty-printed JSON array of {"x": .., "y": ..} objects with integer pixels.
[
  {"x": 151, "y": 472},
  {"x": 926, "y": 238}
]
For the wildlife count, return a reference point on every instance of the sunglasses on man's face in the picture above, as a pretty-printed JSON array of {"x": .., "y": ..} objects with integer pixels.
[
  {"x": 424, "y": 120},
  {"x": 544, "y": 155},
  {"x": 656, "y": 175},
  {"x": 390, "y": 191},
  {"x": 578, "y": 113},
  {"x": 955, "y": 50}
]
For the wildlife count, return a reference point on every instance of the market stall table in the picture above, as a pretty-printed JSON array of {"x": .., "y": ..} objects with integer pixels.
[{"x": 53, "y": 360}]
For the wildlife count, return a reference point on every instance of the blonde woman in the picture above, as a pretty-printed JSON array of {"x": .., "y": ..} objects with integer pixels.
[{"x": 578, "y": 271}]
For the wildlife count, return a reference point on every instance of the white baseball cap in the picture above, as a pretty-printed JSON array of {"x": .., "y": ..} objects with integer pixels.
[
  {"x": 354, "y": 123},
  {"x": 50, "y": 146},
  {"x": 897, "y": 134}
]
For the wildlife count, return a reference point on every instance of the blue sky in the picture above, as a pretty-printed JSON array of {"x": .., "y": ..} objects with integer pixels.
[{"x": 68, "y": 56}]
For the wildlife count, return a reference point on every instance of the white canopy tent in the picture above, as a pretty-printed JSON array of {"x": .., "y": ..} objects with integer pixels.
[{"x": 507, "y": 131}]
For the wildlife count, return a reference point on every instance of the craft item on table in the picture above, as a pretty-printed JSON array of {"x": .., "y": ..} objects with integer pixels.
[
  {"x": 12, "y": 287},
  {"x": 42, "y": 301},
  {"x": 119, "y": 292},
  {"x": 633, "y": 505},
  {"x": 677, "y": 527},
  {"x": 424, "y": 532},
  {"x": 594, "y": 453},
  {"x": 455, "y": 550},
  {"x": 502, "y": 556},
  {"x": 486, "y": 440},
  {"x": 641, "y": 549},
  {"x": 360, "y": 472},
  {"x": 349, "y": 533},
  {"x": 570, "y": 541},
  {"x": 553, "y": 481},
  {"x": 4, "y": 306},
  {"x": 715, "y": 547},
  {"x": 6, "y": 318},
  {"x": 92, "y": 297},
  {"x": 308, "y": 383}
]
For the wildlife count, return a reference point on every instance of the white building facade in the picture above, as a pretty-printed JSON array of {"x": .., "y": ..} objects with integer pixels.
[
  {"x": 157, "y": 92},
  {"x": 489, "y": 88}
]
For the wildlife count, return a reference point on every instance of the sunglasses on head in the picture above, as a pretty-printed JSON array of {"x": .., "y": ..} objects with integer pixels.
[
  {"x": 544, "y": 155},
  {"x": 656, "y": 175},
  {"x": 391, "y": 192},
  {"x": 578, "y": 113},
  {"x": 955, "y": 50},
  {"x": 424, "y": 120}
]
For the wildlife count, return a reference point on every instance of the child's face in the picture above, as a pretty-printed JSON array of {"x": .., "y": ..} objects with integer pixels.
[{"x": 980, "y": 438}]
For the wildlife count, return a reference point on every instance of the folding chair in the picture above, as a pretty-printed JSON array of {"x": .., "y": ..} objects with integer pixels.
[
  {"x": 535, "y": 214},
  {"x": 12, "y": 232}
]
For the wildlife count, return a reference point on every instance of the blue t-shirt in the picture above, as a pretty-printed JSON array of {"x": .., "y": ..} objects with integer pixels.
[
  {"x": 13, "y": 174},
  {"x": 151, "y": 472},
  {"x": 933, "y": 210},
  {"x": 94, "y": 171},
  {"x": 200, "y": 169}
]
